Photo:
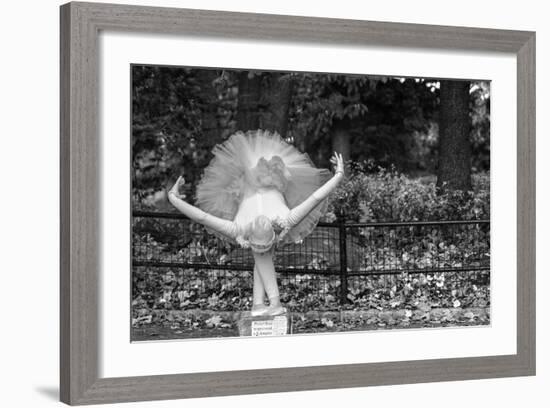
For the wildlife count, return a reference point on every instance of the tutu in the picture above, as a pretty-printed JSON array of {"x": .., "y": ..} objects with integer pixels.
[{"x": 258, "y": 173}]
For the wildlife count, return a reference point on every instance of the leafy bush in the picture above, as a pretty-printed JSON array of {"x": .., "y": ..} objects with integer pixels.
[{"x": 369, "y": 195}]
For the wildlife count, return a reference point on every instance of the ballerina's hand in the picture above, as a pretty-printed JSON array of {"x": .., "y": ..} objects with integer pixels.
[
  {"x": 176, "y": 187},
  {"x": 338, "y": 161}
]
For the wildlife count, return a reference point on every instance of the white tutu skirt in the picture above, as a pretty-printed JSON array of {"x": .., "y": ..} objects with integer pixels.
[{"x": 258, "y": 173}]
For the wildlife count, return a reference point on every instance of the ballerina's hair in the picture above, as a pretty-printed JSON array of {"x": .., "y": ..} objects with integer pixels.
[{"x": 261, "y": 235}]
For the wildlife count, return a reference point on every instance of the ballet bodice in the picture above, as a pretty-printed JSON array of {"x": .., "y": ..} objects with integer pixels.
[{"x": 264, "y": 201}]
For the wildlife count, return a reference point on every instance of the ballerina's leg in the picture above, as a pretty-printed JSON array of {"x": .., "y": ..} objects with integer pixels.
[
  {"x": 266, "y": 270},
  {"x": 258, "y": 295},
  {"x": 258, "y": 292}
]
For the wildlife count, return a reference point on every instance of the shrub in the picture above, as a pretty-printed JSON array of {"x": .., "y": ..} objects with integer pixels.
[{"x": 371, "y": 195}]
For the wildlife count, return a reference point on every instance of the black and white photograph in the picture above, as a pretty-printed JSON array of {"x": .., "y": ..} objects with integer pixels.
[
  {"x": 269, "y": 203},
  {"x": 277, "y": 204}
]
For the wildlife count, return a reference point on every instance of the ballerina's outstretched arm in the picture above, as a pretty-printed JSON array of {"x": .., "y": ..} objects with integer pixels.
[
  {"x": 225, "y": 227},
  {"x": 299, "y": 212}
]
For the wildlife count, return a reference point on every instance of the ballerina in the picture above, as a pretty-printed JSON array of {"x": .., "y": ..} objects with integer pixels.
[{"x": 259, "y": 191}]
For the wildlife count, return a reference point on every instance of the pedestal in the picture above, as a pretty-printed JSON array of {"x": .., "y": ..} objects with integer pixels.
[{"x": 263, "y": 325}]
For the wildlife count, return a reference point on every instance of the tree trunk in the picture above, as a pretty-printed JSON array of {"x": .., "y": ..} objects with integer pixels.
[
  {"x": 276, "y": 101},
  {"x": 341, "y": 137},
  {"x": 454, "y": 167},
  {"x": 209, "y": 106},
  {"x": 248, "y": 100}
]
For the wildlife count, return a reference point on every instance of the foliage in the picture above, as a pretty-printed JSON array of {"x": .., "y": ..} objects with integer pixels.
[
  {"x": 170, "y": 109},
  {"x": 480, "y": 107},
  {"x": 179, "y": 114},
  {"x": 384, "y": 115},
  {"x": 367, "y": 195},
  {"x": 208, "y": 296},
  {"x": 218, "y": 289},
  {"x": 370, "y": 194}
]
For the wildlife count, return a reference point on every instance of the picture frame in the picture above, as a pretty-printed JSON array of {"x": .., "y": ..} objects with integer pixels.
[{"x": 81, "y": 24}]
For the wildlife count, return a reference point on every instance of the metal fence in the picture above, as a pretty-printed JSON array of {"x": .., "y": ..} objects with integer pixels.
[{"x": 334, "y": 257}]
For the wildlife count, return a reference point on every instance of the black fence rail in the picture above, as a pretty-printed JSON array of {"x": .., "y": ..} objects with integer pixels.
[{"x": 333, "y": 258}]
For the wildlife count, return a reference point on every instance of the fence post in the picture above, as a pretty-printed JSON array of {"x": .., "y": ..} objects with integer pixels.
[{"x": 343, "y": 263}]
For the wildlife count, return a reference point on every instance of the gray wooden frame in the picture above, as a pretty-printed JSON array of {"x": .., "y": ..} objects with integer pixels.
[{"x": 80, "y": 234}]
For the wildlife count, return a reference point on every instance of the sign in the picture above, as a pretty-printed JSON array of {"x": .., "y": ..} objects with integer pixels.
[{"x": 276, "y": 326}]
